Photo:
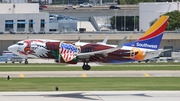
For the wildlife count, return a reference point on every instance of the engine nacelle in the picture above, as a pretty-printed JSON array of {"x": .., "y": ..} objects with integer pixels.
[{"x": 137, "y": 54}]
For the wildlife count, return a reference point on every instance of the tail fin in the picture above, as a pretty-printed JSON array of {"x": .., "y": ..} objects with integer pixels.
[{"x": 151, "y": 39}]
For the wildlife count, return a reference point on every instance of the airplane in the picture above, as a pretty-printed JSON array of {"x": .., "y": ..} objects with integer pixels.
[
  {"x": 146, "y": 47},
  {"x": 53, "y": 49}
]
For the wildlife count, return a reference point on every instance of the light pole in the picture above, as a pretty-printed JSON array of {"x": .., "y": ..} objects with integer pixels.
[
  {"x": 115, "y": 20},
  {"x": 106, "y": 19},
  {"x": 125, "y": 20},
  {"x": 79, "y": 24},
  {"x": 106, "y": 24},
  {"x": 134, "y": 20}
]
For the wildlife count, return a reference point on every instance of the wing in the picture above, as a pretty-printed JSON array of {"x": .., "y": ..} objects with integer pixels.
[{"x": 104, "y": 52}]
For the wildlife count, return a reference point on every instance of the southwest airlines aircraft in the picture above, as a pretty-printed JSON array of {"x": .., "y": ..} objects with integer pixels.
[{"x": 70, "y": 52}]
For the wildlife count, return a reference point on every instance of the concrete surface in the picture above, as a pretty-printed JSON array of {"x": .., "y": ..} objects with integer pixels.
[{"x": 92, "y": 96}]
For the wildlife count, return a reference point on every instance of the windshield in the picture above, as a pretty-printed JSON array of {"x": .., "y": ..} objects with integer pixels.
[{"x": 20, "y": 43}]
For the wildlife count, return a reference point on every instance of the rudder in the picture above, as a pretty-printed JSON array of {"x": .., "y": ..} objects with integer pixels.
[{"x": 152, "y": 37}]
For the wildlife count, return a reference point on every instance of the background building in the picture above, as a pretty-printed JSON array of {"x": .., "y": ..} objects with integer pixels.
[
  {"x": 150, "y": 11},
  {"x": 23, "y": 18},
  {"x": 62, "y": 23},
  {"x": 27, "y": 1}
]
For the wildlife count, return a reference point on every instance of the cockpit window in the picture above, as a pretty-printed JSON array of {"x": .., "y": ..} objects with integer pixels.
[{"x": 20, "y": 43}]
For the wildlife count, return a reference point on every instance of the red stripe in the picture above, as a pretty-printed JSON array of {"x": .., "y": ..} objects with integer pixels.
[{"x": 155, "y": 33}]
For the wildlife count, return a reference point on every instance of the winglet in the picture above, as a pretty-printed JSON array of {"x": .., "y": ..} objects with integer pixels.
[
  {"x": 79, "y": 38},
  {"x": 120, "y": 45},
  {"x": 105, "y": 40}
]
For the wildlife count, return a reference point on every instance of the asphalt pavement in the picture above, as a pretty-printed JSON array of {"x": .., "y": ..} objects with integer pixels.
[
  {"x": 92, "y": 96},
  {"x": 163, "y": 73}
]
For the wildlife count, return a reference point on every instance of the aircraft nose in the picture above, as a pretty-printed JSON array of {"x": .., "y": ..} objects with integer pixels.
[{"x": 11, "y": 48}]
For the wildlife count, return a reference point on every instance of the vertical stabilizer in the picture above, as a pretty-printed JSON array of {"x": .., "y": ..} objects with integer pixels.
[{"x": 151, "y": 39}]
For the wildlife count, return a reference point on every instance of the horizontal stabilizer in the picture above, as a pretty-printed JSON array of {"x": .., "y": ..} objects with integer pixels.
[{"x": 158, "y": 51}]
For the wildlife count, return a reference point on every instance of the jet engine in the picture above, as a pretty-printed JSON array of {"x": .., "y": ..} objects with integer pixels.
[{"x": 137, "y": 54}]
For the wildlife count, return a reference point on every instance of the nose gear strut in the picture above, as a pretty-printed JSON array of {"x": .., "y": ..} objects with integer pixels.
[{"x": 85, "y": 65}]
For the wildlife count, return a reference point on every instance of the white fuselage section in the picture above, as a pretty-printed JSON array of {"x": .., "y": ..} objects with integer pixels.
[{"x": 37, "y": 45}]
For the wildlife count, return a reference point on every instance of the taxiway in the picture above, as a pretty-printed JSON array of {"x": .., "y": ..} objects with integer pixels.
[
  {"x": 162, "y": 73},
  {"x": 92, "y": 96}
]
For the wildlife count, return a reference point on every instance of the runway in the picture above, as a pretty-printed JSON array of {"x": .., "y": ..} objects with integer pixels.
[
  {"x": 162, "y": 73},
  {"x": 92, "y": 96}
]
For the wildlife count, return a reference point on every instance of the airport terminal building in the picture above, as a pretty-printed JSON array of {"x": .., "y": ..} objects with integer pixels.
[{"x": 23, "y": 18}]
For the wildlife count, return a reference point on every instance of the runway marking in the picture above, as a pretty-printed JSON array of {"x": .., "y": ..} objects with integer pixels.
[
  {"x": 84, "y": 75},
  {"x": 21, "y": 75},
  {"x": 146, "y": 75}
]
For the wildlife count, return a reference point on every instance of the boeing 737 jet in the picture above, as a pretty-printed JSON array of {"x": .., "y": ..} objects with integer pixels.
[{"x": 70, "y": 52}]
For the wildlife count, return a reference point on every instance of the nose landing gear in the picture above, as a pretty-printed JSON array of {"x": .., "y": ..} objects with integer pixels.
[
  {"x": 86, "y": 66},
  {"x": 26, "y": 61}
]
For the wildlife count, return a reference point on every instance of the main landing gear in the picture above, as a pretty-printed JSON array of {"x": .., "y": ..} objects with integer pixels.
[
  {"x": 86, "y": 66},
  {"x": 26, "y": 61}
]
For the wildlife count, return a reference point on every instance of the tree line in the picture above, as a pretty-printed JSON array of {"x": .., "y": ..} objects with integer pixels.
[
  {"x": 128, "y": 23},
  {"x": 130, "y": 2}
]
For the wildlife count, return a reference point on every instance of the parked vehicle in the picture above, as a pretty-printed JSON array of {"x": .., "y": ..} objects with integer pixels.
[
  {"x": 16, "y": 59},
  {"x": 53, "y": 16},
  {"x": 3, "y": 59},
  {"x": 11, "y": 31},
  {"x": 42, "y": 6},
  {"x": 70, "y": 7},
  {"x": 86, "y": 4},
  {"x": 8, "y": 54},
  {"x": 114, "y": 7}
]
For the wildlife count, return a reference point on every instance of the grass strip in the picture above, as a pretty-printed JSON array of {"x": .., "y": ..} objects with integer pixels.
[
  {"x": 90, "y": 84},
  {"x": 58, "y": 67}
]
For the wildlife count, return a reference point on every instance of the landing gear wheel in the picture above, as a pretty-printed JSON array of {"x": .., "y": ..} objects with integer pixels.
[
  {"x": 26, "y": 61},
  {"x": 147, "y": 60},
  {"x": 86, "y": 67}
]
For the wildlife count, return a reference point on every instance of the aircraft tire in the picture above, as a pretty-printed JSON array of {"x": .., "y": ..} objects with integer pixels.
[
  {"x": 26, "y": 62},
  {"x": 84, "y": 67},
  {"x": 88, "y": 67}
]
